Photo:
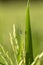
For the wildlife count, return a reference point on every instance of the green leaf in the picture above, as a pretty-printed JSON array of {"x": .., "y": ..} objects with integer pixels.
[{"x": 28, "y": 40}]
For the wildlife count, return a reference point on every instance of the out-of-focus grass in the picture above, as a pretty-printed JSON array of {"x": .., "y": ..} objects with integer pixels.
[
  {"x": 10, "y": 14},
  {"x": 13, "y": 13}
]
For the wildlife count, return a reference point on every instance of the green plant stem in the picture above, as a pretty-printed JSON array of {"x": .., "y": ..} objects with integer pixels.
[{"x": 28, "y": 39}]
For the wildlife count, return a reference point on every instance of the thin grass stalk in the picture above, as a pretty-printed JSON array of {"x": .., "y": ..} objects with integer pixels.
[
  {"x": 13, "y": 49},
  {"x": 28, "y": 39},
  {"x": 37, "y": 60},
  {"x": 6, "y": 55},
  {"x": 2, "y": 48},
  {"x": 9, "y": 58},
  {"x": 6, "y": 63}
]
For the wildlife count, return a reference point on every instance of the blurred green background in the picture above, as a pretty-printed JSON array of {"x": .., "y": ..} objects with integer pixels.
[
  {"x": 14, "y": 12},
  {"x": 36, "y": 17}
]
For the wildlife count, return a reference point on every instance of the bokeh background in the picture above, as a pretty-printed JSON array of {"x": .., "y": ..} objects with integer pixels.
[
  {"x": 36, "y": 17},
  {"x": 14, "y": 12}
]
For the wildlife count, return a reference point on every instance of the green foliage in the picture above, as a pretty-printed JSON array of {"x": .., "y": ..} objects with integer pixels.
[
  {"x": 4, "y": 55},
  {"x": 17, "y": 47},
  {"x": 38, "y": 59},
  {"x": 28, "y": 40},
  {"x": 22, "y": 54}
]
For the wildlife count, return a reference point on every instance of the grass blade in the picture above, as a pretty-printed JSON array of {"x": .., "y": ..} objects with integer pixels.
[{"x": 28, "y": 40}]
